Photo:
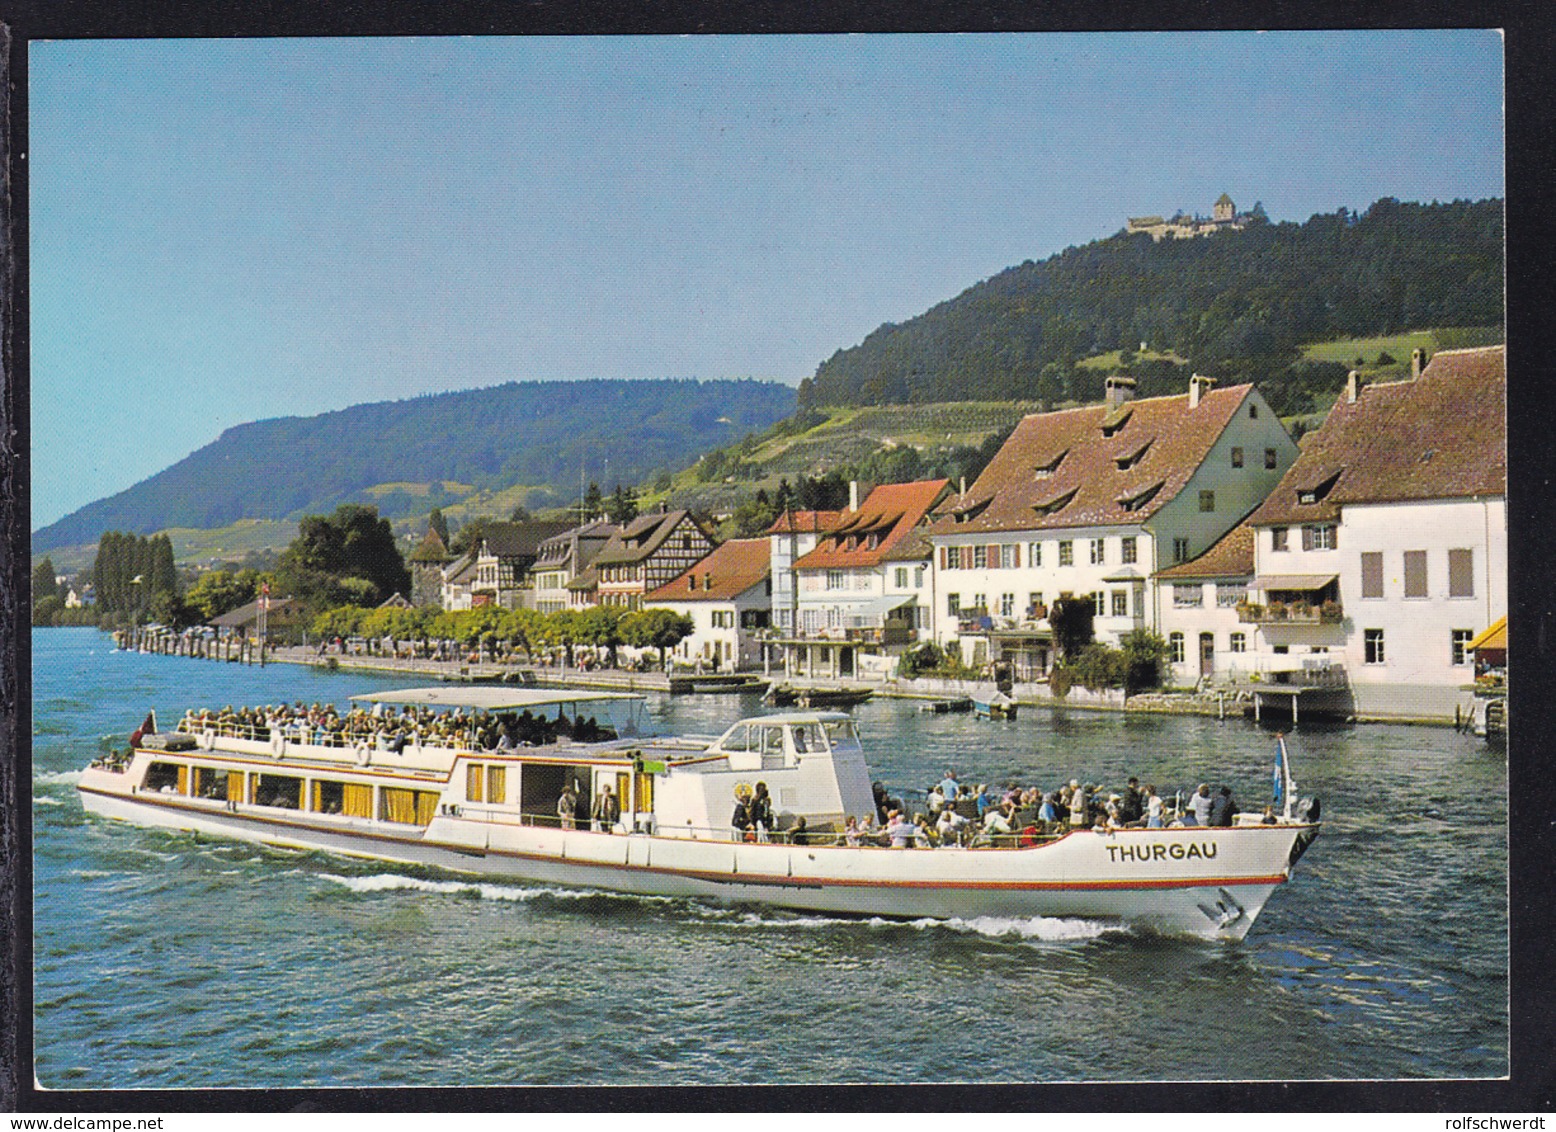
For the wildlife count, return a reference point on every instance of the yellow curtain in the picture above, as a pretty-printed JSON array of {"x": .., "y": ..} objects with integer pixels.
[
  {"x": 645, "y": 793},
  {"x": 183, "y": 780},
  {"x": 357, "y": 800},
  {"x": 473, "y": 782},
  {"x": 497, "y": 784},
  {"x": 399, "y": 804},
  {"x": 235, "y": 786},
  {"x": 316, "y": 803},
  {"x": 426, "y": 806}
]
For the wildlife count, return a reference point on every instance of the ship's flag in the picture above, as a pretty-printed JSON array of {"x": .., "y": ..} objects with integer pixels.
[
  {"x": 1283, "y": 786},
  {"x": 149, "y": 727}
]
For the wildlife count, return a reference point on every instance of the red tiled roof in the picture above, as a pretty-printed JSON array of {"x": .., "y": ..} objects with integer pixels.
[
  {"x": 1156, "y": 445},
  {"x": 1441, "y": 436},
  {"x": 888, "y": 515},
  {"x": 805, "y": 522},
  {"x": 1230, "y": 556},
  {"x": 724, "y": 575}
]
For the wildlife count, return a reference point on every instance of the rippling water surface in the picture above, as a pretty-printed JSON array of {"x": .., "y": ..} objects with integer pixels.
[{"x": 162, "y": 960}]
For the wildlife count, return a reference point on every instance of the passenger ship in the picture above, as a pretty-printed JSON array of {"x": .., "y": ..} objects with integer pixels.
[{"x": 495, "y": 814}]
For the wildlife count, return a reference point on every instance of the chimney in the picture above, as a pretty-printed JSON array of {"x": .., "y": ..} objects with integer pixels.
[
  {"x": 1417, "y": 360},
  {"x": 1119, "y": 390},
  {"x": 1198, "y": 387},
  {"x": 853, "y": 495},
  {"x": 964, "y": 485},
  {"x": 1352, "y": 387}
]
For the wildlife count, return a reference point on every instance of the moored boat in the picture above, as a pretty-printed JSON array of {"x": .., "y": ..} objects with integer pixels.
[
  {"x": 996, "y": 705},
  {"x": 953, "y": 706},
  {"x": 658, "y": 823}
]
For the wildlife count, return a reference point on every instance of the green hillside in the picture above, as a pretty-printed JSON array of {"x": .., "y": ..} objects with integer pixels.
[
  {"x": 1235, "y": 305},
  {"x": 526, "y": 442}
]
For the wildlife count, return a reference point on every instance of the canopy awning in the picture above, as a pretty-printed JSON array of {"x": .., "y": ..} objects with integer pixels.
[
  {"x": 1127, "y": 574},
  {"x": 1494, "y": 637},
  {"x": 878, "y": 607},
  {"x": 1300, "y": 582},
  {"x": 489, "y": 698}
]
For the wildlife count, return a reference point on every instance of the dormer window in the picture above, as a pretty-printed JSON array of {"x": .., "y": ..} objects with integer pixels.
[
  {"x": 1130, "y": 459},
  {"x": 1136, "y": 500},
  {"x": 1114, "y": 425},
  {"x": 1317, "y": 492},
  {"x": 1056, "y": 504},
  {"x": 1043, "y": 471},
  {"x": 972, "y": 510}
]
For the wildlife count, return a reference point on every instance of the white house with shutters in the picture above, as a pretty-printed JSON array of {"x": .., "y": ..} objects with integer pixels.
[
  {"x": 1090, "y": 503},
  {"x": 1383, "y": 551}
]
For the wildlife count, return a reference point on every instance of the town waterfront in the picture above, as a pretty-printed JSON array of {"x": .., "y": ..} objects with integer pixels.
[{"x": 166, "y": 961}]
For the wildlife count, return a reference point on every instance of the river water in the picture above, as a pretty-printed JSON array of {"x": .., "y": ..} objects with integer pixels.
[{"x": 162, "y": 961}]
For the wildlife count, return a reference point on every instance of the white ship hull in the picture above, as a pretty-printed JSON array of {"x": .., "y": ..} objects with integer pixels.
[{"x": 1208, "y": 882}]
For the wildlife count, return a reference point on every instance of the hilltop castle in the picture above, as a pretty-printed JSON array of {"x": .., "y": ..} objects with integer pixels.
[{"x": 1223, "y": 217}]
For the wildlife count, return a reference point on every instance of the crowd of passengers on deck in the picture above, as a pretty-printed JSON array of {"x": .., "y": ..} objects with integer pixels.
[
  {"x": 392, "y": 730},
  {"x": 981, "y": 815}
]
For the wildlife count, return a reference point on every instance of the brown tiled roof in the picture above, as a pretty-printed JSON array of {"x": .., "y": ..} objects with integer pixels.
[
  {"x": 1090, "y": 480},
  {"x": 804, "y": 522},
  {"x": 431, "y": 549},
  {"x": 641, "y": 537},
  {"x": 464, "y": 571},
  {"x": 281, "y": 608},
  {"x": 914, "y": 547},
  {"x": 1230, "y": 556},
  {"x": 585, "y": 581},
  {"x": 889, "y": 514},
  {"x": 724, "y": 575},
  {"x": 1441, "y": 436},
  {"x": 522, "y": 540}
]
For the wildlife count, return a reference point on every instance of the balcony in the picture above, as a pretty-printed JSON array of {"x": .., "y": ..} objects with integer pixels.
[{"x": 1297, "y": 613}]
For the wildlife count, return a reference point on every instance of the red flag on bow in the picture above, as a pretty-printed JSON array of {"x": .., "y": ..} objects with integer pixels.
[{"x": 149, "y": 727}]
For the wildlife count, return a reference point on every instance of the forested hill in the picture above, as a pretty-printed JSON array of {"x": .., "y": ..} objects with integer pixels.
[
  {"x": 539, "y": 434},
  {"x": 1233, "y": 305}
]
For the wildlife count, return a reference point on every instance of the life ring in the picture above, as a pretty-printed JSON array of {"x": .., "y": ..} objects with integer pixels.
[
  {"x": 208, "y": 739},
  {"x": 743, "y": 792},
  {"x": 277, "y": 743},
  {"x": 363, "y": 754}
]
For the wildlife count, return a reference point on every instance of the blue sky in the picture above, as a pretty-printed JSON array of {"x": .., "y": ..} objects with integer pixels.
[{"x": 228, "y": 230}]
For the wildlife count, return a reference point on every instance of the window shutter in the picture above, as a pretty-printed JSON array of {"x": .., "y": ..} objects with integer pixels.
[
  {"x": 1461, "y": 573},
  {"x": 1307, "y": 538},
  {"x": 994, "y": 556},
  {"x": 1415, "y": 573},
  {"x": 1372, "y": 574},
  {"x": 944, "y": 558}
]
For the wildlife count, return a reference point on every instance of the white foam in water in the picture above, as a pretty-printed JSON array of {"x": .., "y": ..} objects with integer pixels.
[
  {"x": 44, "y": 800},
  {"x": 993, "y": 927},
  {"x": 386, "y": 882},
  {"x": 63, "y": 777}
]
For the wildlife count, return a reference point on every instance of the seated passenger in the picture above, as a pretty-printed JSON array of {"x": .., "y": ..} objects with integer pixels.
[{"x": 901, "y": 830}]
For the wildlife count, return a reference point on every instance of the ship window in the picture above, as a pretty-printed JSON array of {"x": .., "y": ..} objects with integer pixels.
[
  {"x": 809, "y": 739},
  {"x": 409, "y": 807},
  {"x": 280, "y": 790},
  {"x": 166, "y": 778},
  {"x": 772, "y": 740},
  {"x": 473, "y": 783},
  {"x": 328, "y": 797},
  {"x": 210, "y": 783},
  {"x": 497, "y": 784},
  {"x": 356, "y": 800}
]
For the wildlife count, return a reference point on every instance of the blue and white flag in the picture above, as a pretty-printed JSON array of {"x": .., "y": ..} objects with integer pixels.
[{"x": 1284, "y": 786}]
